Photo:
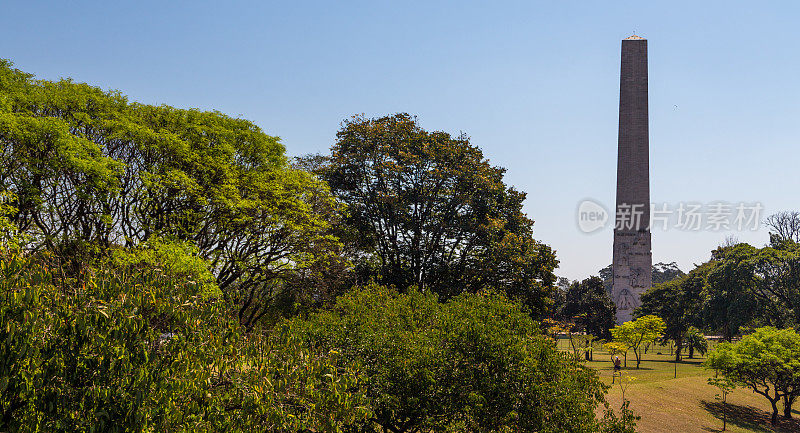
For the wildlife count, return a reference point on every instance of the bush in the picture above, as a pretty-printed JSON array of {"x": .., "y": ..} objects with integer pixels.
[
  {"x": 137, "y": 348},
  {"x": 475, "y": 363}
]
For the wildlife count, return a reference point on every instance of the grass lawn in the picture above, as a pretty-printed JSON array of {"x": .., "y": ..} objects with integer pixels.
[{"x": 685, "y": 404}]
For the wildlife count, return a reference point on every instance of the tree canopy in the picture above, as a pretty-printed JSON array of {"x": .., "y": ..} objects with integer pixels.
[
  {"x": 588, "y": 306},
  {"x": 428, "y": 210},
  {"x": 639, "y": 332},
  {"x": 767, "y": 362},
  {"x": 90, "y": 171},
  {"x": 474, "y": 363}
]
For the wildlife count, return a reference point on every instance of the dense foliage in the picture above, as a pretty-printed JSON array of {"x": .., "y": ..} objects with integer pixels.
[
  {"x": 767, "y": 362},
  {"x": 142, "y": 247},
  {"x": 740, "y": 288},
  {"x": 140, "y": 348},
  {"x": 134, "y": 347},
  {"x": 588, "y": 307},
  {"x": 475, "y": 363},
  {"x": 89, "y": 171},
  {"x": 427, "y": 210}
]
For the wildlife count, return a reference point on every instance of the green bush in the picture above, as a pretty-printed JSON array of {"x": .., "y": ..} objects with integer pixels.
[
  {"x": 475, "y": 363},
  {"x": 138, "y": 348}
]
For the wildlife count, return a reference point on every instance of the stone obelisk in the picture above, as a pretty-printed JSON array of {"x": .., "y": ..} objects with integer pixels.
[{"x": 632, "y": 255}]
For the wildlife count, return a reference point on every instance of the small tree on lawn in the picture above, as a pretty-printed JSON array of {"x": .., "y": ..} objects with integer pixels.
[
  {"x": 615, "y": 348},
  {"x": 695, "y": 341},
  {"x": 638, "y": 333},
  {"x": 725, "y": 386},
  {"x": 766, "y": 361}
]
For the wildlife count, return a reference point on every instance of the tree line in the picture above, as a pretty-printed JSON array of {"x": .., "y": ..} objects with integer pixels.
[{"x": 171, "y": 269}]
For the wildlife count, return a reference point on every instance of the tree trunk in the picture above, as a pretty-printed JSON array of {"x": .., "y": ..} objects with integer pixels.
[
  {"x": 724, "y": 416},
  {"x": 678, "y": 347},
  {"x": 691, "y": 351},
  {"x": 787, "y": 406},
  {"x": 774, "y": 419}
]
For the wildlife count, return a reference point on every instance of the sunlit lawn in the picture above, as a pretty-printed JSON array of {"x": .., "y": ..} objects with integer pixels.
[{"x": 685, "y": 403}]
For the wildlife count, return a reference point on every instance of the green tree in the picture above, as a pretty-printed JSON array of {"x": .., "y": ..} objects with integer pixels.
[
  {"x": 725, "y": 386},
  {"x": 138, "y": 347},
  {"x": 475, "y": 363},
  {"x": 695, "y": 341},
  {"x": 676, "y": 302},
  {"x": 767, "y": 362},
  {"x": 728, "y": 304},
  {"x": 774, "y": 275},
  {"x": 587, "y": 304},
  {"x": 667, "y": 301},
  {"x": 428, "y": 210},
  {"x": 638, "y": 333},
  {"x": 90, "y": 171},
  {"x": 664, "y": 272}
]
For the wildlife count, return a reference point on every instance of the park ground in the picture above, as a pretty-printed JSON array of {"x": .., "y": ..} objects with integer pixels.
[{"x": 686, "y": 403}]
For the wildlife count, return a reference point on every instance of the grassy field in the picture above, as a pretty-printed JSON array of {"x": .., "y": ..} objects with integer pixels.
[{"x": 685, "y": 403}]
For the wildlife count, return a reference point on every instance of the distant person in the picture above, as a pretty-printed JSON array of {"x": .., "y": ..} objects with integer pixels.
[{"x": 617, "y": 364}]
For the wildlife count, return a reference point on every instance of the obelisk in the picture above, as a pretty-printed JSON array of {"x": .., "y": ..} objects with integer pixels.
[{"x": 632, "y": 255}]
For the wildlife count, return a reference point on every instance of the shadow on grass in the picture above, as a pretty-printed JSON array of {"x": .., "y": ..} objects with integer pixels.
[
  {"x": 748, "y": 417},
  {"x": 684, "y": 361}
]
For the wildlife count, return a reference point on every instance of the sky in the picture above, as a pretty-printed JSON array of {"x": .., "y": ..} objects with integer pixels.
[{"x": 535, "y": 84}]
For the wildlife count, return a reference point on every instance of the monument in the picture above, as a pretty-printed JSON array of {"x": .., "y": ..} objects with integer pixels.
[{"x": 632, "y": 265}]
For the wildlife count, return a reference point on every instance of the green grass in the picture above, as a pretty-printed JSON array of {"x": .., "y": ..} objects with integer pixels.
[{"x": 685, "y": 403}]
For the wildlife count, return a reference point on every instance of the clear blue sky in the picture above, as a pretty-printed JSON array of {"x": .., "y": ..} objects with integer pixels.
[{"x": 535, "y": 84}]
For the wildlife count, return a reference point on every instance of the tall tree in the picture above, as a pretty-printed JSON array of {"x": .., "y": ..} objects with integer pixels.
[
  {"x": 676, "y": 302},
  {"x": 91, "y": 171},
  {"x": 663, "y": 272},
  {"x": 775, "y": 280},
  {"x": 728, "y": 304},
  {"x": 430, "y": 211}
]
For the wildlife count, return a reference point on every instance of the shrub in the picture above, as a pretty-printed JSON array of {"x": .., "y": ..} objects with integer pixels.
[{"x": 475, "y": 363}]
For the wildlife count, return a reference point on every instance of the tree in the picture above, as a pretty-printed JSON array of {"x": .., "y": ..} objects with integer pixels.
[
  {"x": 695, "y": 341},
  {"x": 429, "y": 211},
  {"x": 145, "y": 346},
  {"x": 475, "y": 363},
  {"x": 725, "y": 386},
  {"x": 667, "y": 301},
  {"x": 766, "y": 361},
  {"x": 728, "y": 304},
  {"x": 90, "y": 172},
  {"x": 638, "y": 333},
  {"x": 676, "y": 302},
  {"x": 784, "y": 226},
  {"x": 774, "y": 279},
  {"x": 588, "y": 306},
  {"x": 664, "y": 272}
]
